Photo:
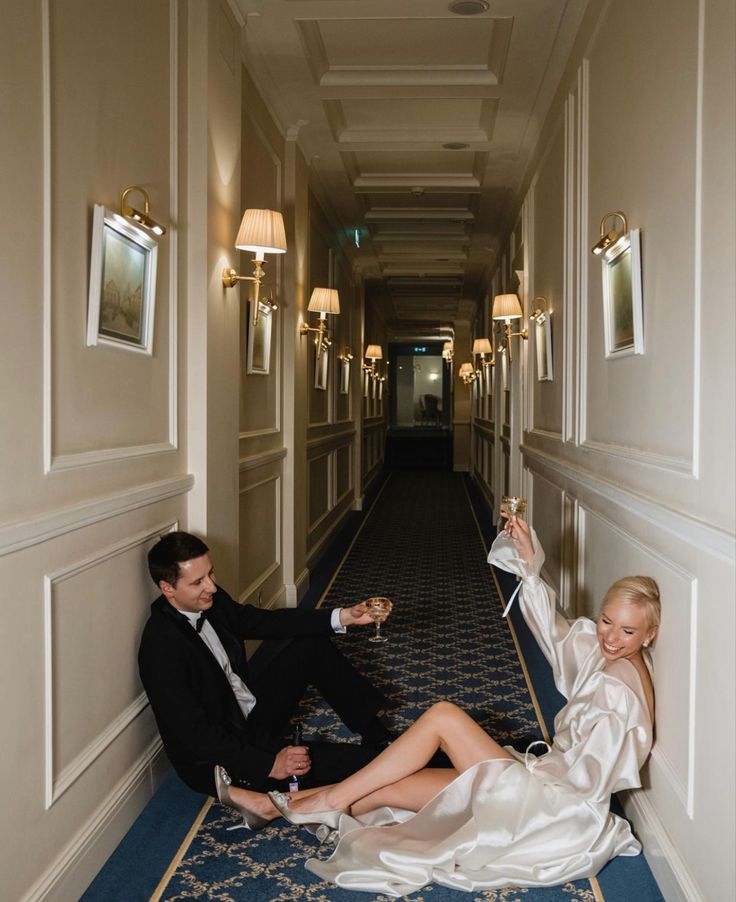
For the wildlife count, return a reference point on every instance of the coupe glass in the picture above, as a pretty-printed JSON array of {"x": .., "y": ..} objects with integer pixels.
[
  {"x": 513, "y": 505},
  {"x": 378, "y": 610}
]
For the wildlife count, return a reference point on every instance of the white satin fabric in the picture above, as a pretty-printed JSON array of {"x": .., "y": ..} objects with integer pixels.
[{"x": 528, "y": 821}]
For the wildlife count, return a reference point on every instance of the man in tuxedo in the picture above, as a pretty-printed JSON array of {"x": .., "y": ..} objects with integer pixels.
[{"x": 212, "y": 709}]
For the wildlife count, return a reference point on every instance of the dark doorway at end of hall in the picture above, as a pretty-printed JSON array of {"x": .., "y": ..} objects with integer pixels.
[{"x": 420, "y": 401}]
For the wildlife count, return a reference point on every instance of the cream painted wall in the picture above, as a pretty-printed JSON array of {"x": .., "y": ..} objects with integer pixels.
[
  {"x": 629, "y": 462},
  {"x": 94, "y": 465}
]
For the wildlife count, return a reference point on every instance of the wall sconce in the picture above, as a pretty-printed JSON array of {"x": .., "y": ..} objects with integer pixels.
[
  {"x": 322, "y": 301},
  {"x": 448, "y": 352},
  {"x": 507, "y": 307},
  {"x": 347, "y": 354},
  {"x": 372, "y": 353},
  {"x": 261, "y": 231},
  {"x": 482, "y": 346},
  {"x": 608, "y": 238},
  {"x": 143, "y": 219},
  {"x": 540, "y": 310},
  {"x": 467, "y": 373}
]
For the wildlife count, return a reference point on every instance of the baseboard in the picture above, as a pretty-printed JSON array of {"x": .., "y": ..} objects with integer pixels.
[
  {"x": 78, "y": 864},
  {"x": 671, "y": 872},
  {"x": 297, "y": 590}
]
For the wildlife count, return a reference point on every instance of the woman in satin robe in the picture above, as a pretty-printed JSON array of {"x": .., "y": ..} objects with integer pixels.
[{"x": 499, "y": 817}]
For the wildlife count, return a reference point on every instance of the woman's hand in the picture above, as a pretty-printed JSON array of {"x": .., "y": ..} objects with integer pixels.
[{"x": 521, "y": 536}]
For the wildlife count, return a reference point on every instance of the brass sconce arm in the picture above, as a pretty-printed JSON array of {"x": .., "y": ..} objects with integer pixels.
[
  {"x": 262, "y": 232},
  {"x": 505, "y": 308},
  {"x": 322, "y": 301},
  {"x": 540, "y": 310},
  {"x": 323, "y": 340},
  {"x": 143, "y": 219},
  {"x": 606, "y": 239}
]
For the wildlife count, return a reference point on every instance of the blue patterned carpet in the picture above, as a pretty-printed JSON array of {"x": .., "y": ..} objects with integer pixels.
[{"x": 421, "y": 547}]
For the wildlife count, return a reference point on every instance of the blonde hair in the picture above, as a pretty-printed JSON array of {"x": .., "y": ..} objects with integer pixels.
[{"x": 641, "y": 590}]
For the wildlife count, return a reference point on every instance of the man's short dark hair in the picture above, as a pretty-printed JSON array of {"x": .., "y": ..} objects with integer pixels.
[{"x": 170, "y": 551}]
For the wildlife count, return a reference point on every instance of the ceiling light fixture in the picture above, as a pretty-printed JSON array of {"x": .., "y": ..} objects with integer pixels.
[{"x": 468, "y": 7}]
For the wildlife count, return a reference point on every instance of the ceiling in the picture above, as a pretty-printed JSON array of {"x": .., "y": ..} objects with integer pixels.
[{"x": 418, "y": 125}]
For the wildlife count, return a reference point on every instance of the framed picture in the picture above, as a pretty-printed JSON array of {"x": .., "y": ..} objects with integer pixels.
[
  {"x": 366, "y": 384},
  {"x": 321, "y": 366},
  {"x": 622, "y": 298},
  {"x": 374, "y": 388},
  {"x": 543, "y": 347},
  {"x": 488, "y": 379},
  {"x": 380, "y": 391},
  {"x": 122, "y": 283},
  {"x": 344, "y": 376},
  {"x": 504, "y": 371},
  {"x": 258, "y": 356}
]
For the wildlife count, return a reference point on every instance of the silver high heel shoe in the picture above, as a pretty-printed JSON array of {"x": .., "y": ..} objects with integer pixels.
[
  {"x": 251, "y": 820},
  {"x": 322, "y": 824}
]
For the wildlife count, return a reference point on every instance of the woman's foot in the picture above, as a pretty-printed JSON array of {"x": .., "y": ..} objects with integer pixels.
[
  {"x": 310, "y": 811},
  {"x": 254, "y": 807}
]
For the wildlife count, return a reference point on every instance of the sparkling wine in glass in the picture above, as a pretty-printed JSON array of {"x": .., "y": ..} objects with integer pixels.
[
  {"x": 513, "y": 505},
  {"x": 378, "y": 610}
]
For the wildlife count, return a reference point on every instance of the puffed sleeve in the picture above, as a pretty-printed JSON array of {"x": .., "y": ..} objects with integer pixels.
[
  {"x": 615, "y": 739},
  {"x": 565, "y": 645}
]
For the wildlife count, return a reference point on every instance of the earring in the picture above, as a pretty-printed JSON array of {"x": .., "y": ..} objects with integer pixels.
[{"x": 646, "y": 644}]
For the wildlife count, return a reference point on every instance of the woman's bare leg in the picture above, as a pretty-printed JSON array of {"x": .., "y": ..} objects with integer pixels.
[
  {"x": 444, "y": 726},
  {"x": 411, "y": 793}
]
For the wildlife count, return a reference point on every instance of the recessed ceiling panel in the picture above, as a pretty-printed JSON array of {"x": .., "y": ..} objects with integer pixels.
[
  {"x": 412, "y": 113},
  {"x": 406, "y": 51},
  {"x": 431, "y": 163}
]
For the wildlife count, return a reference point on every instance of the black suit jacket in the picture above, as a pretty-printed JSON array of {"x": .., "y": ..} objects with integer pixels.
[{"x": 195, "y": 709}]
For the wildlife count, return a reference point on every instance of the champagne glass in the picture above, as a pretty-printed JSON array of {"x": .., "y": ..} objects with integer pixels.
[
  {"x": 513, "y": 505},
  {"x": 378, "y": 609}
]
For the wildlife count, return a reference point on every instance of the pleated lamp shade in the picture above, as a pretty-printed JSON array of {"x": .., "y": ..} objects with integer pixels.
[
  {"x": 262, "y": 231},
  {"x": 506, "y": 306},
  {"x": 324, "y": 300},
  {"x": 482, "y": 346},
  {"x": 465, "y": 369},
  {"x": 374, "y": 352}
]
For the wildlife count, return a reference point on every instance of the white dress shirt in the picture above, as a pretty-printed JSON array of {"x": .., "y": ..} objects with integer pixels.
[{"x": 243, "y": 696}]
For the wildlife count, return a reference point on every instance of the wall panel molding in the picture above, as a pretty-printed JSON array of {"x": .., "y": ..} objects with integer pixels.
[
  {"x": 271, "y": 568},
  {"x": 672, "y": 874},
  {"x": 56, "y": 784},
  {"x": 580, "y": 253},
  {"x": 713, "y": 541},
  {"x": 59, "y": 462},
  {"x": 34, "y": 531},
  {"x": 682, "y": 785},
  {"x": 255, "y": 129},
  {"x": 254, "y": 461},
  {"x": 50, "y": 884}
]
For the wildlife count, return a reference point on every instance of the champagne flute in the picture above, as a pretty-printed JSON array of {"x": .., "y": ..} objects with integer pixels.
[{"x": 378, "y": 609}]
